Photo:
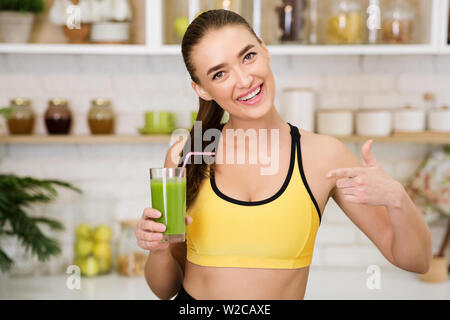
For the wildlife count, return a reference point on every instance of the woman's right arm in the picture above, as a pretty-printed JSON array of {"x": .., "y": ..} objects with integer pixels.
[{"x": 163, "y": 272}]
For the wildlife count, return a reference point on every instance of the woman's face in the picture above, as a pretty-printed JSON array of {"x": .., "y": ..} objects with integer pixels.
[{"x": 231, "y": 64}]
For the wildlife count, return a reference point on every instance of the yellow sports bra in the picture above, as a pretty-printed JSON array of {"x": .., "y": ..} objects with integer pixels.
[{"x": 277, "y": 233}]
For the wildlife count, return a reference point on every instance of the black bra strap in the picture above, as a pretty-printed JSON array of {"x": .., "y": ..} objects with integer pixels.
[
  {"x": 297, "y": 135},
  {"x": 294, "y": 131}
]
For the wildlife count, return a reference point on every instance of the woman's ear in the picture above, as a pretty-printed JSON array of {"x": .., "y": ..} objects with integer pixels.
[{"x": 201, "y": 92}]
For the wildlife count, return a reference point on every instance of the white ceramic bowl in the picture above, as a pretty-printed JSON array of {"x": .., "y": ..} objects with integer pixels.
[
  {"x": 439, "y": 119},
  {"x": 409, "y": 119},
  {"x": 374, "y": 122},
  {"x": 337, "y": 122}
]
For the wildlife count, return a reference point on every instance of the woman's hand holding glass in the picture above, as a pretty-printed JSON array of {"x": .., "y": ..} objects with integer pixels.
[{"x": 149, "y": 233}]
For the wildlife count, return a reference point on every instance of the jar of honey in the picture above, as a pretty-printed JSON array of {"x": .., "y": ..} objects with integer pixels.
[
  {"x": 21, "y": 119},
  {"x": 58, "y": 117},
  {"x": 399, "y": 21},
  {"x": 101, "y": 117}
]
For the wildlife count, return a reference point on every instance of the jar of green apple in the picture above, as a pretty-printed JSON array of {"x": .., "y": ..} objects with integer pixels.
[{"x": 93, "y": 237}]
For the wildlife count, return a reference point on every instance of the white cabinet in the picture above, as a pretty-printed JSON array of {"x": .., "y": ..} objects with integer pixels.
[{"x": 161, "y": 37}]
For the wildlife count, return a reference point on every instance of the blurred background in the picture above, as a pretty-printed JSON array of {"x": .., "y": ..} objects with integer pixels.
[{"x": 91, "y": 90}]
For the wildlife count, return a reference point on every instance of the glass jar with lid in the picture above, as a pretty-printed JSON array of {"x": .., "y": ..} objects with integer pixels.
[
  {"x": 398, "y": 22},
  {"x": 130, "y": 258},
  {"x": 292, "y": 21},
  {"x": 58, "y": 117},
  {"x": 345, "y": 22},
  {"x": 22, "y": 118},
  {"x": 101, "y": 117}
]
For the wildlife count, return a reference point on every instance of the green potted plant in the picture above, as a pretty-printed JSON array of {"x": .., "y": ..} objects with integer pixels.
[
  {"x": 17, "y": 18},
  {"x": 16, "y": 194}
]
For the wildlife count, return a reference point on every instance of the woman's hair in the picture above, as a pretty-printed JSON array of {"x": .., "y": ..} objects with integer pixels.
[{"x": 210, "y": 113}]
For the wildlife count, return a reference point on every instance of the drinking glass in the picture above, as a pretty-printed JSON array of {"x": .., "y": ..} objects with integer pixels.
[{"x": 168, "y": 194}]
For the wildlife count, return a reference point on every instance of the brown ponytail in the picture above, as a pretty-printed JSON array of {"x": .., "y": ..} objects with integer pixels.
[{"x": 210, "y": 113}]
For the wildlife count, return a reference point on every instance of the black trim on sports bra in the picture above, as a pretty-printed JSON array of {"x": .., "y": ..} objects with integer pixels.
[
  {"x": 272, "y": 198},
  {"x": 302, "y": 173}
]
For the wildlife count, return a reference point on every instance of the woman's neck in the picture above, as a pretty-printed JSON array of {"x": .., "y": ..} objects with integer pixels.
[{"x": 272, "y": 120}]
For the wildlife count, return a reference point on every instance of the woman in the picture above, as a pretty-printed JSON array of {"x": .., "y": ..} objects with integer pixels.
[{"x": 251, "y": 235}]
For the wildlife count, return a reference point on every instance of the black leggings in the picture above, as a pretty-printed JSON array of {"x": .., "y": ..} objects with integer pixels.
[{"x": 183, "y": 295}]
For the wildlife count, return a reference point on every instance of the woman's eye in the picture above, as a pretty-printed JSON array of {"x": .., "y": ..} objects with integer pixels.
[
  {"x": 251, "y": 53},
  {"x": 215, "y": 76}
]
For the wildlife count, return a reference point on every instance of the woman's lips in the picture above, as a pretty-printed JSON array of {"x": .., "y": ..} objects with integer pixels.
[{"x": 255, "y": 100}]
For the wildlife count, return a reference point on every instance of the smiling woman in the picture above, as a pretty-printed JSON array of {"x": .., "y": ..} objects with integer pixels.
[{"x": 251, "y": 235}]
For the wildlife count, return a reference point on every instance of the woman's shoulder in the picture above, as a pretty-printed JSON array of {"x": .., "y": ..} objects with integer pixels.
[
  {"x": 322, "y": 146},
  {"x": 312, "y": 137}
]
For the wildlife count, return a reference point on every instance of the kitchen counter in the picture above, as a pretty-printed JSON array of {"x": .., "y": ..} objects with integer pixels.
[
  {"x": 107, "y": 287},
  {"x": 323, "y": 284}
]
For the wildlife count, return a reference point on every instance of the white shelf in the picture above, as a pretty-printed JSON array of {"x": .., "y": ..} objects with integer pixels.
[
  {"x": 434, "y": 34},
  {"x": 445, "y": 50},
  {"x": 84, "y": 139},
  {"x": 73, "y": 49},
  {"x": 176, "y": 49},
  {"x": 352, "y": 49},
  {"x": 420, "y": 137},
  {"x": 329, "y": 49}
]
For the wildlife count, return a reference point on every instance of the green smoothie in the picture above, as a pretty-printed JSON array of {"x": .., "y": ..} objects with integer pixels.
[{"x": 172, "y": 206}]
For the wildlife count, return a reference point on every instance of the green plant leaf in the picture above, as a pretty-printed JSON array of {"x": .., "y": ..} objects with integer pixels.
[{"x": 5, "y": 261}]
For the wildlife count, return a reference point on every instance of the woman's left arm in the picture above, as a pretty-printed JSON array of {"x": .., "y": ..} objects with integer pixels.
[{"x": 391, "y": 221}]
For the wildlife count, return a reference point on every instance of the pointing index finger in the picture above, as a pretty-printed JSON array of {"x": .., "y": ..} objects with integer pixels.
[{"x": 344, "y": 173}]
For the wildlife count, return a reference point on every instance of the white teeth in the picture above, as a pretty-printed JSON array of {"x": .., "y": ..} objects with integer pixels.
[{"x": 251, "y": 95}]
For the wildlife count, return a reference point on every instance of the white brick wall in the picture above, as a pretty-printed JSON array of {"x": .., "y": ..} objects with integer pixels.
[{"x": 114, "y": 178}]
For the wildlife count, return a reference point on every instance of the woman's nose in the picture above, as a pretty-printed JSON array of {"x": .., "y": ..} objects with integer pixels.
[{"x": 244, "y": 79}]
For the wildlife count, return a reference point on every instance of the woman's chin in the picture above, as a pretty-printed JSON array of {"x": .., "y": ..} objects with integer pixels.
[{"x": 259, "y": 112}]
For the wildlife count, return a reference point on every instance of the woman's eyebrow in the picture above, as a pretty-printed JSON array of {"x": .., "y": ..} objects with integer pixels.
[{"x": 220, "y": 66}]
